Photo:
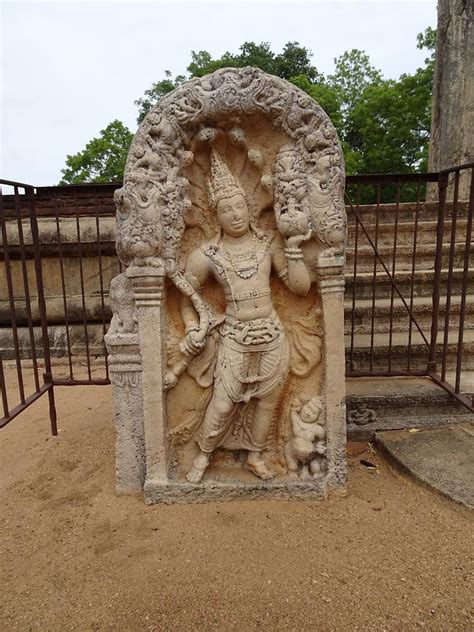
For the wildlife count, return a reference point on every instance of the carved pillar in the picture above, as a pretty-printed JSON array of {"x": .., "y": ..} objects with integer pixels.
[
  {"x": 331, "y": 287},
  {"x": 148, "y": 289},
  {"x": 125, "y": 370}
]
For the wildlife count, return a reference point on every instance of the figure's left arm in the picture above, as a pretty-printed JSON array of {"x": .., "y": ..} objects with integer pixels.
[{"x": 287, "y": 260}]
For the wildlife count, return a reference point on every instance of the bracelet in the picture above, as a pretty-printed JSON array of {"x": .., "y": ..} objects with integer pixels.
[
  {"x": 293, "y": 254},
  {"x": 192, "y": 328}
]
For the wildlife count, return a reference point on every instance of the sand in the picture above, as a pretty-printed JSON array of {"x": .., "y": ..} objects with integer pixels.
[{"x": 389, "y": 556}]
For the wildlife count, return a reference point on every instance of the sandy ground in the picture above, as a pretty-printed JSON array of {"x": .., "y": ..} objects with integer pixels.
[{"x": 389, "y": 556}]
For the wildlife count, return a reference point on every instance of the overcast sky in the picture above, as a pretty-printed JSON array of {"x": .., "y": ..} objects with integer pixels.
[{"x": 69, "y": 68}]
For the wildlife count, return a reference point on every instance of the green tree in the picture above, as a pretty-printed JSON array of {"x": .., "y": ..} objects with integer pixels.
[
  {"x": 102, "y": 160},
  {"x": 387, "y": 127},
  {"x": 352, "y": 75},
  {"x": 152, "y": 95},
  {"x": 383, "y": 125}
]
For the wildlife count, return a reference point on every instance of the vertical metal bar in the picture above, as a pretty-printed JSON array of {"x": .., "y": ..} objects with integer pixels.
[
  {"x": 465, "y": 276},
  {"x": 11, "y": 300},
  {"x": 83, "y": 297},
  {"x": 63, "y": 285},
  {"x": 3, "y": 388},
  {"x": 374, "y": 277},
  {"x": 452, "y": 249},
  {"x": 442, "y": 191},
  {"x": 354, "y": 280},
  {"x": 394, "y": 262},
  {"x": 26, "y": 286},
  {"x": 413, "y": 269},
  {"x": 101, "y": 283},
  {"x": 53, "y": 418},
  {"x": 42, "y": 305}
]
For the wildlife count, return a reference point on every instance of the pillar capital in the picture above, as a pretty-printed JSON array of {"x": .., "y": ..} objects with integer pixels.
[
  {"x": 330, "y": 274},
  {"x": 147, "y": 283}
]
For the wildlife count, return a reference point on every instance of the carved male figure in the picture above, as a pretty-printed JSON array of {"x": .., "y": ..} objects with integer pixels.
[{"x": 252, "y": 358}]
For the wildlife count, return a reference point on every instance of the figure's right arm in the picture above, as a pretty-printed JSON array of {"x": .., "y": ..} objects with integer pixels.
[{"x": 196, "y": 273}]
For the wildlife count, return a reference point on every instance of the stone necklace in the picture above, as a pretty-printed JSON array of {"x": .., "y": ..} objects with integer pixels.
[{"x": 244, "y": 264}]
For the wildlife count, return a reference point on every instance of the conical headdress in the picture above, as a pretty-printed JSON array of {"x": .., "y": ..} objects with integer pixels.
[{"x": 222, "y": 183}]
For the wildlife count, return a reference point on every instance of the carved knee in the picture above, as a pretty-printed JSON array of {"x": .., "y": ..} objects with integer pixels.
[{"x": 222, "y": 406}]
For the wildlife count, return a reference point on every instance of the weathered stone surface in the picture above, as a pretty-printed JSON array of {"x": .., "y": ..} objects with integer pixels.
[
  {"x": 232, "y": 227},
  {"x": 439, "y": 458},
  {"x": 376, "y": 404},
  {"x": 452, "y": 127}
]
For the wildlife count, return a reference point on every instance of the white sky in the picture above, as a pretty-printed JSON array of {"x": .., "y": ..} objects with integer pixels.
[{"x": 69, "y": 68}]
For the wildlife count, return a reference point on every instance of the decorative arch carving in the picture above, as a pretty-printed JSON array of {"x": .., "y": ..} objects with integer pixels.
[{"x": 307, "y": 175}]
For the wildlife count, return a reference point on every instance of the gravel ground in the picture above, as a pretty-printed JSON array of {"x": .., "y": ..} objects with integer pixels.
[{"x": 389, "y": 556}]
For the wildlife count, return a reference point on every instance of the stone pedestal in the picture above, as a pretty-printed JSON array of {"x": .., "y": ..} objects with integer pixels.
[
  {"x": 331, "y": 287},
  {"x": 125, "y": 369},
  {"x": 148, "y": 289}
]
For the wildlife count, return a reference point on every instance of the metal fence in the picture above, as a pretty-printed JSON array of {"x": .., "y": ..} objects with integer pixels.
[
  {"x": 408, "y": 301},
  {"x": 28, "y": 383},
  {"x": 454, "y": 255}
]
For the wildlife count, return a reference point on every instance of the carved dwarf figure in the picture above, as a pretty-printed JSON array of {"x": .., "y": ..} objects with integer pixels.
[
  {"x": 308, "y": 443},
  {"x": 252, "y": 358},
  {"x": 124, "y": 319}
]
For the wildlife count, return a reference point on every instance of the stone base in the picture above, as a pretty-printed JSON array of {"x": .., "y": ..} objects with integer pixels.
[
  {"x": 401, "y": 403},
  {"x": 184, "y": 493},
  {"x": 440, "y": 459}
]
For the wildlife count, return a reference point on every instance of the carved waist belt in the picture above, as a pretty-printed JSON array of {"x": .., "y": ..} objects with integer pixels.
[
  {"x": 261, "y": 331},
  {"x": 242, "y": 296}
]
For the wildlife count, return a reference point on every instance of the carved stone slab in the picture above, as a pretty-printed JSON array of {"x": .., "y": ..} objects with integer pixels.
[{"x": 227, "y": 344}]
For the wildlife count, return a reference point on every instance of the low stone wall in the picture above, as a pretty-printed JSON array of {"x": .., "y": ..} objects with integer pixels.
[{"x": 77, "y": 236}]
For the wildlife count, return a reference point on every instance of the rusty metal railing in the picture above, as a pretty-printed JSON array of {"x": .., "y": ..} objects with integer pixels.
[
  {"x": 456, "y": 185},
  {"x": 409, "y": 284},
  {"x": 389, "y": 282},
  {"x": 21, "y": 247}
]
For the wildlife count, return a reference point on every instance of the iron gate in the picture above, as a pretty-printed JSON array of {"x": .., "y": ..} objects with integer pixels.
[{"x": 409, "y": 283}]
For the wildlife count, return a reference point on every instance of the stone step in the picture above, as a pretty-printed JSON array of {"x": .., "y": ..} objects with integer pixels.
[
  {"x": 422, "y": 283},
  {"x": 360, "y": 356},
  {"x": 422, "y": 311},
  {"x": 398, "y": 351},
  {"x": 426, "y": 233},
  {"x": 424, "y": 259},
  {"x": 95, "y": 311},
  {"x": 375, "y": 404},
  {"x": 427, "y": 211}
]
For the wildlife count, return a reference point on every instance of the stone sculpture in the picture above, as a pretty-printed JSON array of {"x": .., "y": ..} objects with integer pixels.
[
  {"x": 308, "y": 443},
  {"x": 228, "y": 320}
]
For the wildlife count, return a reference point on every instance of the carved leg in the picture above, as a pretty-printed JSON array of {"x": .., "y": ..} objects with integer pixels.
[
  {"x": 264, "y": 409},
  {"x": 200, "y": 464},
  {"x": 291, "y": 462},
  {"x": 215, "y": 425}
]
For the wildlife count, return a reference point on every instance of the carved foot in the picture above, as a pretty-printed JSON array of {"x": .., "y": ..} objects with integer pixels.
[
  {"x": 170, "y": 380},
  {"x": 195, "y": 474},
  {"x": 257, "y": 466}
]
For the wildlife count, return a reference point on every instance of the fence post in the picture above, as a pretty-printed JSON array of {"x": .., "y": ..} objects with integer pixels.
[
  {"x": 442, "y": 188},
  {"x": 47, "y": 377}
]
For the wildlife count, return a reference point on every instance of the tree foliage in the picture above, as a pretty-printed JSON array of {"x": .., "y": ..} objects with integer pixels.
[
  {"x": 102, "y": 160},
  {"x": 383, "y": 125}
]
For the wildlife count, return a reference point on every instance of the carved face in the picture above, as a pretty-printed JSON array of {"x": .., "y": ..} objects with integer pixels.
[
  {"x": 310, "y": 412},
  {"x": 233, "y": 215}
]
